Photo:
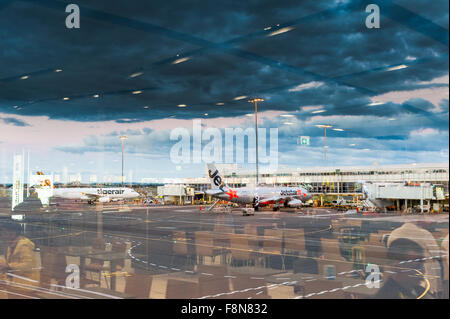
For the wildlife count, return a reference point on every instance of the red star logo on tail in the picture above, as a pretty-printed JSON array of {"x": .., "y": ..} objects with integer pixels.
[{"x": 232, "y": 194}]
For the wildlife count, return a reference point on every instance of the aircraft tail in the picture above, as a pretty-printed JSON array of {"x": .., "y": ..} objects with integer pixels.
[{"x": 215, "y": 178}]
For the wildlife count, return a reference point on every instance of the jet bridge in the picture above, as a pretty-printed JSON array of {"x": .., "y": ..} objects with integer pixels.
[{"x": 384, "y": 192}]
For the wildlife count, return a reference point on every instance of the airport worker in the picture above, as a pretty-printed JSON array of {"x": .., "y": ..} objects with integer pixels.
[
  {"x": 410, "y": 247},
  {"x": 19, "y": 260}
]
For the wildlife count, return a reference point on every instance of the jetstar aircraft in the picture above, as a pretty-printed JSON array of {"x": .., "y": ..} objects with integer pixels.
[{"x": 258, "y": 196}]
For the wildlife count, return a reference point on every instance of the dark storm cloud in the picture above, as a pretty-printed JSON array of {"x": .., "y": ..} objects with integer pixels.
[
  {"x": 329, "y": 44},
  {"x": 13, "y": 121}
]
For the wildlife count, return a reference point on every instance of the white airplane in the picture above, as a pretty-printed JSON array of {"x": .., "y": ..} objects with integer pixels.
[
  {"x": 258, "y": 196},
  {"x": 92, "y": 194},
  {"x": 43, "y": 185}
]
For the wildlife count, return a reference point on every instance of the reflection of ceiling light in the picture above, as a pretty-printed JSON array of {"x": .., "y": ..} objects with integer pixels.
[
  {"x": 288, "y": 123},
  {"x": 398, "y": 67},
  {"x": 279, "y": 31},
  {"x": 391, "y": 119},
  {"x": 375, "y": 103},
  {"x": 249, "y": 114},
  {"x": 318, "y": 111},
  {"x": 58, "y": 70},
  {"x": 24, "y": 77},
  {"x": 16, "y": 106},
  {"x": 136, "y": 92},
  {"x": 366, "y": 149},
  {"x": 134, "y": 75},
  {"x": 237, "y": 98},
  {"x": 352, "y": 145},
  {"x": 96, "y": 96},
  {"x": 220, "y": 103},
  {"x": 287, "y": 115},
  {"x": 181, "y": 60},
  {"x": 181, "y": 105},
  {"x": 338, "y": 129}
]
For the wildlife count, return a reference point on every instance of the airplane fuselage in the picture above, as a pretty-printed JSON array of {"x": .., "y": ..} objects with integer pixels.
[{"x": 247, "y": 195}]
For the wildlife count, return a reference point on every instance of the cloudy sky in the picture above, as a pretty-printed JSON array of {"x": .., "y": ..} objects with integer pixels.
[{"x": 144, "y": 68}]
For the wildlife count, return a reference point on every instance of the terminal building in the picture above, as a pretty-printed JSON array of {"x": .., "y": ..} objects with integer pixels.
[{"x": 332, "y": 180}]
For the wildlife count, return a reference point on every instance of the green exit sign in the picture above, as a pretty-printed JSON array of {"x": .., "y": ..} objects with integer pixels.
[{"x": 303, "y": 140}]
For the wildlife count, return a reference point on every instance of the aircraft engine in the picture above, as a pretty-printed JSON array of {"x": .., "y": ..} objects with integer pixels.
[
  {"x": 104, "y": 199},
  {"x": 295, "y": 203}
]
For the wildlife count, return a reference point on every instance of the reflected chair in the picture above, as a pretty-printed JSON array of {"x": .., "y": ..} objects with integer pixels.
[
  {"x": 204, "y": 246},
  {"x": 119, "y": 247},
  {"x": 53, "y": 266},
  {"x": 138, "y": 286},
  {"x": 180, "y": 289},
  {"x": 97, "y": 265},
  {"x": 180, "y": 247},
  {"x": 294, "y": 241},
  {"x": 242, "y": 249},
  {"x": 273, "y": 246},
  {"x": 331, "y": 256},
  {"x": 320, "y": 286},
  {"x": 244, "y": 282},
  {"x": 212, "y": 280}
]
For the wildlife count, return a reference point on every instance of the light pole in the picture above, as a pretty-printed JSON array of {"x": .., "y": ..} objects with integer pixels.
[
  {"x": 256, "y": 100},
  {"x": 123, "y": 138},
  {"x": 325, "y": 145}
]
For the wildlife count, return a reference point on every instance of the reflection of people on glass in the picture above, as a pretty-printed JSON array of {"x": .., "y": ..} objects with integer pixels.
[
  {"x": 18, "y": 262},
  {"x": 444, "y": 249},
  {"x": 415, "y": 273}
]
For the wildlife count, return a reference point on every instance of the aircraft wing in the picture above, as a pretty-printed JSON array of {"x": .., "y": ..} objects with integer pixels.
[
  {"x": 214, "y": 192},
  {"x": 90, "y": 196}
]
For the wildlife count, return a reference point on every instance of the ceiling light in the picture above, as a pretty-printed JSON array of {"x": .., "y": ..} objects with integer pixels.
[
  {"x": 375, "y": 103},
  {"x": 324, "y": 126},
  {"x": 398, "y": 67},
  {"x": 338, "y": 129},
  {"x": 181, "y": 105},
  {"x": 58, "y": 70},
  {"x": 220, "y": 103},
  {"x": 24, "y": 77},
  {"x": 146, "y": 107},
  {"x": 136, "y": 92},
  {"x": 181, "y": 60},
  {"x": 240, "y": 97},
  {"x": 65, "y": 98},
  {"x": 279, "y": 31},
  {"x": 96, "y": 96},
  {"x": 318, "y": 111},
  {"x": 134, "y": 75},
  {"x": 206, "y": 114}
]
